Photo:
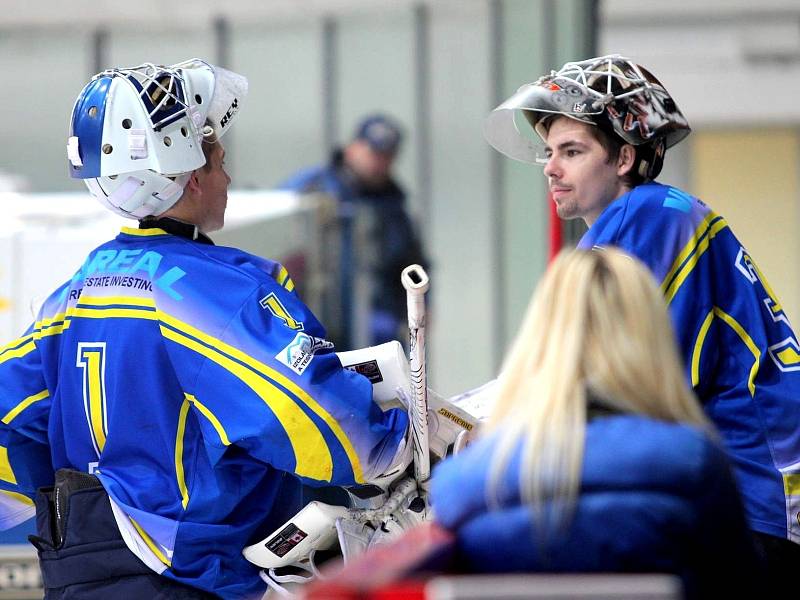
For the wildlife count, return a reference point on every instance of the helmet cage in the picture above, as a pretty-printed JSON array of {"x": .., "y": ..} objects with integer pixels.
[
  {"x": 162, "y": 92},
  {"x": 136, "y": 133},
  {"x": 610, "y": 91},
  {"x": 591, "y": 73}
]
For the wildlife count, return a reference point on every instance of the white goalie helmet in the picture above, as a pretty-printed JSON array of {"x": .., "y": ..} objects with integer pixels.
[{"x": 136, "y": 133}]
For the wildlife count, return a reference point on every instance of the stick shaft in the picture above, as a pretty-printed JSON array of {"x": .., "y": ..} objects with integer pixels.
[{"x": 416, "y": 283}]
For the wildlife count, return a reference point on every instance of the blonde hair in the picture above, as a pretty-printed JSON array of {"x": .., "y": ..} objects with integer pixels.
[{"x": 597, "y": 326}]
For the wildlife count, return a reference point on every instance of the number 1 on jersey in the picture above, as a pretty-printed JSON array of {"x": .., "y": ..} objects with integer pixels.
[{"x": 92, "y": 360}]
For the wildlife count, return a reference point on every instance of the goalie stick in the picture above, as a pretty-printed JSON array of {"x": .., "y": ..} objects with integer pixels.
[{"x": 415, "y": 281}]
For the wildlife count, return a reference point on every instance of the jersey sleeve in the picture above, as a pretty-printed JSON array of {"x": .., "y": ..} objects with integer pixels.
[
  {"x": 272, "y": 386},
  {"x": 25, "y": 462}
]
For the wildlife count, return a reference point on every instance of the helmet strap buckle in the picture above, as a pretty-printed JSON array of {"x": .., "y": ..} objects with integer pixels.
[{"x": 137, "y": 143}]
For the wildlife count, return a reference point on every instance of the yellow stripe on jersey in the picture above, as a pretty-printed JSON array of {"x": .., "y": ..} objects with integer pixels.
[
  {"x": 312, "y": 456},
  {"x": 698, "y": 347},
  {"x": 315, "y": 459},
  {"x": 179, "y": 452},
  {"x": 150, "y": 543},
  {"x": 18, "y": 497},
  {"x": 791, "y": 484},
  {"x": 57, "y": 329},
  {"x": 59, "y": 322},
  {"x": 687, "y": 249},
  {"x": 16, "y": 343},
  {"x": 57, "y": 318},
  {"x": 283, "y": 279},
  {"x": 108, "y": 313},
  {"x": 743, "y": 335},
  {"x": 50, "y": 326},
  {"x": 223, "y": 437},
  {"x": 12, "y": 414},
  {"x": 27, "y": 347},
  {"x": 54, "y": 330},
  {"x": 282, "y": 275},
  {"x": 279, "y": 378},
  {"x": 144, "y": 232},
  {"x": 6, "y": 472},
  {"x": 187, "y": 402},
  {"x": 748, "y": 341},
  {"x": 696, "y": 248}
]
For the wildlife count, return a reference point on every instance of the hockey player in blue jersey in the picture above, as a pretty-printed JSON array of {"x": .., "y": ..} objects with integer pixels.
[
  {"x": 178, "y": 392},
  {"x": 606, "y": 123}
]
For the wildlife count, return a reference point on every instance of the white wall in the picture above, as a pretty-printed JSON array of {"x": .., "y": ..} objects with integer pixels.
[{"x": 733, "y": 61}]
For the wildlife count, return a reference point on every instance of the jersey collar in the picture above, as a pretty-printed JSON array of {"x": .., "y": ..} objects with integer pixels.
[{"x": 175, "y": 227}]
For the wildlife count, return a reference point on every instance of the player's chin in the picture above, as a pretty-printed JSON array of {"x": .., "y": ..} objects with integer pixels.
[{"x": 566, "y": 211}]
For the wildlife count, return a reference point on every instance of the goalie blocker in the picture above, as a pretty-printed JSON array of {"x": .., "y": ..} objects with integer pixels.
[
  {"x": 387, "y": 368},
  {"x": 314, "y": 528}
]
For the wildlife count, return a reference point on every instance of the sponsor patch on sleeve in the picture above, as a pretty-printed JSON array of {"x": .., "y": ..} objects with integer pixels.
[{"x": 299, "y": 353}]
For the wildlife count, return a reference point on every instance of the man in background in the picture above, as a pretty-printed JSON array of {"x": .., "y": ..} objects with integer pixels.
[{"x": 359, "y": 176}]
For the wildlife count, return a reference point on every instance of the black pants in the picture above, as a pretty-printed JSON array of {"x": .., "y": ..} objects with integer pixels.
[
  {"x": 782, "y": 562},
  {"x": 81, "y": 552}
]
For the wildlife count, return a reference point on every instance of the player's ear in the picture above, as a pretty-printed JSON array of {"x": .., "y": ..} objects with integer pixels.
[
  {"x": 193, "y": 185},
  {"x": 626, "y": 159}
]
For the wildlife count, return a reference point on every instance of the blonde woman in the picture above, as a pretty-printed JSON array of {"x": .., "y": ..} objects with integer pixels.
[{"x": 597, "y": 456}]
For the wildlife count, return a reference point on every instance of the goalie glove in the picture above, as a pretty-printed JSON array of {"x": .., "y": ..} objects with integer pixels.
[{"x": 451, "y": 422}]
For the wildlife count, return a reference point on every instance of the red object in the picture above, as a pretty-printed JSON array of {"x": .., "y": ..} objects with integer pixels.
[
  {"x": 555, "y": 237},
  {"x": 390, "y": 571},
  {"x": 404, "y": 590}
]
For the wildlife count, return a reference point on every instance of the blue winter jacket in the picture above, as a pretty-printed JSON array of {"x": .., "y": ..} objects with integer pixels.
[{"x": 655, "y": 497}]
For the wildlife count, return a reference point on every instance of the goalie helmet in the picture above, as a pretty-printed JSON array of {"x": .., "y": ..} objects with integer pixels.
[
  {"x": 136, "y": 133},
  {"x": 611, "y": 92}
]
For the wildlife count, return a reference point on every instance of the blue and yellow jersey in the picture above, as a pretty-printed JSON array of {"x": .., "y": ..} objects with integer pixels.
[
  {"x": 741, "y": 354},
  {"x": 199, "y": 388}
]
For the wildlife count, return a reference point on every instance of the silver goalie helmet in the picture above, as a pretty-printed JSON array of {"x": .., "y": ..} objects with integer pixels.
[{"x": 611, "y": 92}]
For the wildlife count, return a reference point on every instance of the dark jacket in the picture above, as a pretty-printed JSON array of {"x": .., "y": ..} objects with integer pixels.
[{"x": 396, "y": 241}]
